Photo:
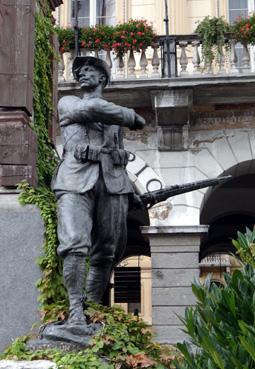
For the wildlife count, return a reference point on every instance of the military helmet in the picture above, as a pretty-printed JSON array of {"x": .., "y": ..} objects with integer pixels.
[{"x": 100, "y": 64}]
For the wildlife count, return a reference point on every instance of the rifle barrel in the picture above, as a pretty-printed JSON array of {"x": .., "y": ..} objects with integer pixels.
[{"x": 151, "y": 198}]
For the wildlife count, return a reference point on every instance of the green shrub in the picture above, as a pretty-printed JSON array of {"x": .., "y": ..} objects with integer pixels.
[
  {"x": 245, "y": 246},
  {"x": 212, "y": 33},
  {"x": 222, "y": 324},
  {"x": 244, "y": 29}
]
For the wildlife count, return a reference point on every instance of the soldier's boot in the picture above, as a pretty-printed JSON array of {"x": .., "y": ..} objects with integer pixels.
[
  {"x": 74, "y": 278},
  {"x": 97, "y": 280}
]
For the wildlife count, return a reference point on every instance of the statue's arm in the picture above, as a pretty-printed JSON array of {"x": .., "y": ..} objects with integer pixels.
[{"x": 99, "y": 110}]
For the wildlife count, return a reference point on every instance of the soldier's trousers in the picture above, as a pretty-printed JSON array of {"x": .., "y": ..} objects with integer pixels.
[{"x": 93, "y": 224}]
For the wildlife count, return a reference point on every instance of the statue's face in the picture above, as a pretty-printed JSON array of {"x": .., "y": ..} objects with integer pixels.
[{"x": 90, "y": 77}]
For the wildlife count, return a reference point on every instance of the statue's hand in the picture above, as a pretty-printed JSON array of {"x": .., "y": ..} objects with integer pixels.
[
  {"x": 81, "y": 152},
  {"x": 139, "y": 122},
  {"x": 135, "y": 202}
]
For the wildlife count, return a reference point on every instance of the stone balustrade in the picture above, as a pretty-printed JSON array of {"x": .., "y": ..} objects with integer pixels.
[
  {"x": 182, "y": 52},
  {"x": 216, "y": 260}
]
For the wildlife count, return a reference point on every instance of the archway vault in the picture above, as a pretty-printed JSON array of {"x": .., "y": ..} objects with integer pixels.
[{"x": 229, "y": 208}]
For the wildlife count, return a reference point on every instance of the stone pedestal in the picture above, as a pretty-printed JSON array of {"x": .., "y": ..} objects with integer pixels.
[
  {"x": 21, "y": 239},
  {"x": 175, "y": 265},
  {"x": 17, "y": 148},
  {"x": 37, "y": 364}
]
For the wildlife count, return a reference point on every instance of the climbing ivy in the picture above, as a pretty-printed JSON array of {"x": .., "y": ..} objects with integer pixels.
[{"x": 52, "y": 293}]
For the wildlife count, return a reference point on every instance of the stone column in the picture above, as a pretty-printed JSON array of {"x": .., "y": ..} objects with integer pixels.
[
  {"x": 17, "y": 148},
  {"x": 175, "y": 265},
  {"x": 16, "y": 99}
]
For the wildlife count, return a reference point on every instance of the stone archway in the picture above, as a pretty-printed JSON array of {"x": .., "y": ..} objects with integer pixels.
[{"x": 228, "y": 208}]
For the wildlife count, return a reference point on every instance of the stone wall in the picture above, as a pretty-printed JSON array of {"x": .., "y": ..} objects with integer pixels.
[{"x": 21, "y": 239}]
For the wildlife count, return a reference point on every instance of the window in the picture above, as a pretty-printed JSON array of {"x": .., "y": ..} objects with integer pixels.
[
  {"x": 91, "y": 12},
  {"x": 237, "y": 8}
]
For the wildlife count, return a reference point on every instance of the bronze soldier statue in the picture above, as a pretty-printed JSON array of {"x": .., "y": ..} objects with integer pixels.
[
  {"x": 92, "y": 185},
  {"x": 93, "y": 194}
]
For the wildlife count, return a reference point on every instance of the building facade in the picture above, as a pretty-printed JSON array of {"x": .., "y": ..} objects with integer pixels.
[
  {"x": 183, "y": 14},
  {"x": 200, "y": 124}
]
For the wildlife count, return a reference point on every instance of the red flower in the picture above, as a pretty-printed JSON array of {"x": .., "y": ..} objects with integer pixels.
[
  {"x": 132, "y": 33},
  {"x": 141, "y": 44},
  {"x": 83, "y": 43},
  {"x": 140, "y": 33},
  {"x": 97, "y": 41},
  {"x": 134, "y": 41},
  {"x": 122, "y": 37}
]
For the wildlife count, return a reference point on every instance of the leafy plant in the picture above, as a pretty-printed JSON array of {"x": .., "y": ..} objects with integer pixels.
[
  {"x": 99, "y": 37},
  {"x": 245, "y": 246},
  {"x": 134, "y": 34},
  {"x": 212, "y": 33},
  {"x": 65, "y": 38},
  {"x": 52, "y": 293},
  {"x": 244, "y": 29},
  {"x": 222, "y": 324}
]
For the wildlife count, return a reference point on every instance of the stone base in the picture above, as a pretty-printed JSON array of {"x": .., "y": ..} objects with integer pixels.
[
  {"x": 65, "y": 336},
  {"x": 21, "y": 240},
  {"x": 44, "y": 344},
  {"x": 37, "y": 364}
]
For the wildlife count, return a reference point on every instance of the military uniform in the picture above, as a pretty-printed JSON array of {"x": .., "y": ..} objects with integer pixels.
[{"x": 91, "y": 182}]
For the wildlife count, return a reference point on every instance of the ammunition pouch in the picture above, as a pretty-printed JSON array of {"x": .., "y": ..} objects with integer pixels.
[
  {"x": 119, "y": 157},
  {"x": 84, "y": 153}
]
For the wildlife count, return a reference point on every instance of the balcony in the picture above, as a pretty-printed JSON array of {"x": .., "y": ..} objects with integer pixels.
[
  {"x": 172, "y": 86},
  {"x": 169, "y": 57}
]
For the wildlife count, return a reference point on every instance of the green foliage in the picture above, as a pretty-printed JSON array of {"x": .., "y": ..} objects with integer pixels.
[
  {"x": 65, "y": 38},
  {"x": 212, "y": 33},
  {"x": 222, "y": 324},
  {"x": 123, "y": 342},
  {"x": 245, "y": 246},
  {"x": 42, "y": 96},
  {"x": 99, "y": 37},
  {"x": 244, "y": 29},
  {"x": 134, "y": 34},
  {"x": 53, "y": 296}
]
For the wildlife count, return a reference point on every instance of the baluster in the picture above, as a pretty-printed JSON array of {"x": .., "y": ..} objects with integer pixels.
[
  {"x": 183, "y": 57},
  {"x": 83, "y": 51},
  {"x": 108, "y": 58},
  {"x": 208, "y": 67},
  {"x": 221, "y": 62},
  {"x": 155, "y": 60},
  {"x": 119, "y": 66},
  {"x": 68, "y": 61},
  {"x": 233, "y": 57},
  {"x": 196, "y": 57},
  {"x": 143, "y": 64},
  {"x": 131, "y": 65},
  {"x": 245, "y": 62},
  {"x": 61, "y": 69}
]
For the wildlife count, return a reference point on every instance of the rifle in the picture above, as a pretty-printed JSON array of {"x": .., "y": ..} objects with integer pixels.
[{"x": 148, "y": 199}]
